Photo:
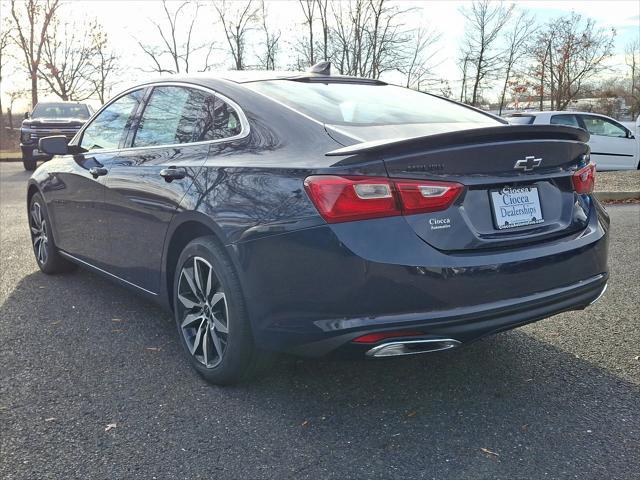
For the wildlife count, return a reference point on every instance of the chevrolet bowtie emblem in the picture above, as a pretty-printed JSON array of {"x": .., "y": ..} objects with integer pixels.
[{"x": 528, "y": 163}]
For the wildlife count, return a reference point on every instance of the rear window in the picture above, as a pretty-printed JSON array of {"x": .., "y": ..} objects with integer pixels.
[
  {"x": 366, "y": 104},
  {"x": 60, "y": 110},
  {"x": 521, "y": 120}
]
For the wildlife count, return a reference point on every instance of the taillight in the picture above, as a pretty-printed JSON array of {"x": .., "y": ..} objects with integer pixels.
[
  {"x": 584, "y": 179},
  {"x": 343, "y": 199},
  {"x": 422, "y": 197}
]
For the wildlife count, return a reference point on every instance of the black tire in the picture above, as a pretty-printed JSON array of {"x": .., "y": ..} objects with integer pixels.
[
  {"x": 28, "y": 162},
  {"x": 208, "y": 300},
  {"x": 44, "y": 248}
]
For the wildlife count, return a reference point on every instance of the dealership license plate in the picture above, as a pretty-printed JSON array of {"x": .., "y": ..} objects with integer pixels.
[{"x": 516, "y": 207}]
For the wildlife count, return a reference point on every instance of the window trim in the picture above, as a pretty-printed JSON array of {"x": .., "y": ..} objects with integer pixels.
[{"x": 245, "y": 129}]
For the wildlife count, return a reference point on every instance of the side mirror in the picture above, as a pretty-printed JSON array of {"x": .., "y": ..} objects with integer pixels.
[
  {"x": 56, "y": 145},
  {"x": 26, "y": 115},
  {"x": 630, "y": 134}
]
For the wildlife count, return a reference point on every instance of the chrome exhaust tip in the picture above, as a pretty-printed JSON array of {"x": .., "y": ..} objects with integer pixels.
[{"x": 412, "y": 347}]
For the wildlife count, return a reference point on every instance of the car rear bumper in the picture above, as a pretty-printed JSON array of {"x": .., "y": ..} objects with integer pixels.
[
  {"x": 466, "y": 324},
  {"x": 313, "y": 291}
]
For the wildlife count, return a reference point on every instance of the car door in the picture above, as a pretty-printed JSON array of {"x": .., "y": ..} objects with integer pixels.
[
  {"x": 77, "y": 190},
  {"x": 167, "y": 147},
  {"x": 612, "y": 145}
]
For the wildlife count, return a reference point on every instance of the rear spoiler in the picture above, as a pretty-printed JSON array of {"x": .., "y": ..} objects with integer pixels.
[{"x": 501, "y": 133}]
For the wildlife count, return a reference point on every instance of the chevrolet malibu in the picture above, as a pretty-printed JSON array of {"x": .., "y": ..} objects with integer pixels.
[{"x": 317, "y": 214}]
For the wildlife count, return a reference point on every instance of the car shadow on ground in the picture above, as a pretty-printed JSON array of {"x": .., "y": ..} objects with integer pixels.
[{"x": 88, "y": 353}]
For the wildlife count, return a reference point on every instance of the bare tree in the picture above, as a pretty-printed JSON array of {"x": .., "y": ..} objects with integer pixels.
[
  {"x": 67, "y": 56},
  {"x": 176, "y": 39},
  {"x": 13, "y": 96},
  {"x": 386, "y": 39},
  {"x": 569, "y": 52},
  {"x": 271, "y": 39},
  {"x": 368, "y": 38},
  {"x": 323, "y": 15},
  {"x": 308, "y": 9},
  {"x": 632, "y": 57},
  {"x": 32, "y": 19},
  {"x": 105, "y": 64},
  {"x": 518, "y": 36},
  {"x": 463, "y": 63},
  {"x": 5, "y": 42},
  {"x": 237, "y": 19},
  {"x": 484, "y": 23},
  {"x": 417, "y": 63}
]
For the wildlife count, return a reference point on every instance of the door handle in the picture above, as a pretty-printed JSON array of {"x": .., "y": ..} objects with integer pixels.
[
  {"x": 98, "y": 171},
  {"x": 172, "y": 173}
]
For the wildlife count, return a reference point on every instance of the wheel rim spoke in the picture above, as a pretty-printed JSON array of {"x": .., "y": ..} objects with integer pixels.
[
  {"x": 216, "y": 298},
  {"x": 188, "y": 276},
  {"x": 220, "y": 327},
  {"x": 36, "y": 214},
  {"x": 191, "y": 319},
  {"x": 197, "y": 340},
  {"x": 216, "y": 341},
  {"x": 186, "y": 302},
  {"x": 197, "y": 275}
]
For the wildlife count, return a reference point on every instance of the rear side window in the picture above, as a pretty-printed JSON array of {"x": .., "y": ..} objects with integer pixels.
[
  {"x": 366, "y": 104},
  {"x": 176, "y": 115},
  {"x": 521, "y": 120},
  {"x": 107, "y": 130},
  {"x": 569, "y": 120}
]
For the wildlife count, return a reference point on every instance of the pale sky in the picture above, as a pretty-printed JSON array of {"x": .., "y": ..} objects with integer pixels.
[{"x": 126, "y": 20}]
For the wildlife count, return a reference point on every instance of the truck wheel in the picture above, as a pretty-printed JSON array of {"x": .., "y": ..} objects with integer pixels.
[{"x": 28, "y": 162}]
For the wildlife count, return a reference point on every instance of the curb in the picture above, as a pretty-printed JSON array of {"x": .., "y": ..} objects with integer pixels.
[
  {"x": 617, "y": 196},
  {"x": 13, "y": 159}
]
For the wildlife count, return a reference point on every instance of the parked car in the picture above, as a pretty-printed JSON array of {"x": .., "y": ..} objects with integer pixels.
[
  {"x": 46, "y": 119},
  {"x": 613, "y": 146},
  {"x": 317, "y": 214}
]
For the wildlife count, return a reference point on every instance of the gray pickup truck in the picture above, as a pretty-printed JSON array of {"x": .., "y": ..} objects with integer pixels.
[{"x": 46, "y": 119}]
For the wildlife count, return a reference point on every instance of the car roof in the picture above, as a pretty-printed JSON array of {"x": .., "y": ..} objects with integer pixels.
[{"x": 247, "y": 76}]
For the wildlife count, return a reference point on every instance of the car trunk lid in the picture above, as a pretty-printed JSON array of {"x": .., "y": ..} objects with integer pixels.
[{"x": 505, "y": 169}]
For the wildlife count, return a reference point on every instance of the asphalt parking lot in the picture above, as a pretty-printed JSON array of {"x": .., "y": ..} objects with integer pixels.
[{"x": 93, "y": 385}]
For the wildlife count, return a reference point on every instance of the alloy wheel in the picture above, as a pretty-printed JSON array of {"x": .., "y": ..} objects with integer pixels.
[
  {"x": 203, "y": 312},
  {"x": 39, "y": 233}
]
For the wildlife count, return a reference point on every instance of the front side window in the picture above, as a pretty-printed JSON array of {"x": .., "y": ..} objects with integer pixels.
[
  {"x": 604, "y": 127},
  {"x": 176, "y": 115},
  {"x": 569, "y": 120},
  {"x": 107, "y": 130}
]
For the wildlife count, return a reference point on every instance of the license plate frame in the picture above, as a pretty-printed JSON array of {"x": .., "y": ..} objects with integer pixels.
[{"x": 526, "y": 197}]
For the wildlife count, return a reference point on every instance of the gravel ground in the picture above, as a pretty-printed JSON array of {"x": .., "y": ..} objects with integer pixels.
[
  {"x": 93, "y": 385},
  {"x": 623, "y": 181}
]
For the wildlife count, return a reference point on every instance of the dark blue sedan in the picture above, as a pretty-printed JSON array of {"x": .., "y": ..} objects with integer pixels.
[{"x": 317, "y": 214}]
